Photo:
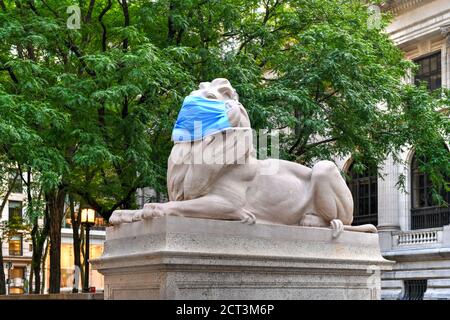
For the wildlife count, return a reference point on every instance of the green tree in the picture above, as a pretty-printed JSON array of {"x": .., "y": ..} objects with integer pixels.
[
  {"x": 318, "y": 67},
  {"x": 38, "y": 218},
  {"x": 92, "y": 95}
]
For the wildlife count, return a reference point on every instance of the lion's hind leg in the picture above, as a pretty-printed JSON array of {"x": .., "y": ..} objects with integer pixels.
[
  {"x": 313, "y": 220},
  {"x": 330, "y": 195},
  {"x": 206, "y": 207}
]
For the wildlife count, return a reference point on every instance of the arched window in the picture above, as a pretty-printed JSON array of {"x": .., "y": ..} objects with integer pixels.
[
  {"x": 425, "y": 212},
  {"x": 365, "y": 195}
]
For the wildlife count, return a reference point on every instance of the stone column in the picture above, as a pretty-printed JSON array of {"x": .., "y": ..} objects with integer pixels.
[
  {"x": 445, "y": 31},
  {"x": 388, "y": 202}
]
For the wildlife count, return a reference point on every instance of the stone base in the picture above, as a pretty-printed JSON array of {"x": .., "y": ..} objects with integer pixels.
[
  {"x": 430, "y": 262},
  {"x": 183, "y": 258}
]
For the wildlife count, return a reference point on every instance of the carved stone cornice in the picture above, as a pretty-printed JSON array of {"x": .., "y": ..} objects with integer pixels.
[
  {"x": 397, "y": 6},
  {"x": 445, "y": 30}
]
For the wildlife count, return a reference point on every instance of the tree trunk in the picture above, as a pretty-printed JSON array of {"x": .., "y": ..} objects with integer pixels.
[
  {"x": 38, "y": 247},
  {"x": 30, "y": 281},
  {"x": 2, "y": 272},
  {"x": 130, "y": 201},
  {"x": 37, "y": 278},
  {"x": 55, "y": 201},
  {"x": 44, "y": 258},
  {"x": 37, "y": 262},
  {"x": 38, "y": 238},
  {"x": 76, "y": 221}
]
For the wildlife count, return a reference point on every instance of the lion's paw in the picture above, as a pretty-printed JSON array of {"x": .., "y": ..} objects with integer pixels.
[
  {"x": 137, "y": 216},
  {"x": 153, "y": 210},
  {"x": 125, "y": 216},
  {"x": 115, "y": 218}
]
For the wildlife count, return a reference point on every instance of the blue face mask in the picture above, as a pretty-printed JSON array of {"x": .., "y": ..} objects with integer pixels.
[{"x": 200, "y": 117}]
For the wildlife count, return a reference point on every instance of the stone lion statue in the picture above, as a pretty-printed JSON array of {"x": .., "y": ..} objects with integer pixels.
[{"x": 230, "y": 183}]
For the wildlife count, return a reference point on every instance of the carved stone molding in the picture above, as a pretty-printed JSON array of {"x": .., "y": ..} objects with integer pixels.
[
  {"x": 397, "y": 6},
  {"x": 445, "y": 30}
]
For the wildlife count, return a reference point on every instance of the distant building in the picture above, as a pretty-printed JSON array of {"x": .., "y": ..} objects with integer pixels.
[
  {"x": 17, "y": 251},
  {"x": 97, "y": 239}
]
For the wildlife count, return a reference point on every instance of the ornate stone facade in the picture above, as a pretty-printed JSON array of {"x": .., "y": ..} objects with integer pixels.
[{"x": 422, "y": 270}]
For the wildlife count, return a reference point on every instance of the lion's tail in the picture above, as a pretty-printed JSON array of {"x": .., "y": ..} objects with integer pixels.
[{"x": 369, "y": 228}]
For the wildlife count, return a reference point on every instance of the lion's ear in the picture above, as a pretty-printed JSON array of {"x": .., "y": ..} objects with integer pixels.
[
  {"x": 234, "y": 113},
  {"x": 237, "y": 115}
]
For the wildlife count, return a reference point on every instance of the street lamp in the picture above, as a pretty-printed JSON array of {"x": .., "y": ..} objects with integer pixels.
[{"x": 88, "y": 220}]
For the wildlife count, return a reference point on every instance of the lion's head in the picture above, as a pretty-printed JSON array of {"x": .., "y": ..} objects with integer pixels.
[
  {"x": 186, "y": 178},
  {"x": 221, "y": 89}
]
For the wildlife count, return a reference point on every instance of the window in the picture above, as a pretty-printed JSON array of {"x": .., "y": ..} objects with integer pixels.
[
  {"x": 15, "y": 211},
  {"x": 16, "y": 278},
  {"x": 15, "y": 245},
  {"x": 67, "y": 221},
  {"x": 364, "y": 190},
  {"x": 16, "y": 184},
  {"x": 429, "y": 71},
  {"x": 414, "y": 289},
  {"x": 425, "y": 212},
  {"x": 100, "y": 222}
]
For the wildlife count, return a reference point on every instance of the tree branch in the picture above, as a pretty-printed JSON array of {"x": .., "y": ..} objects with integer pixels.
[
  {"x": 11, "y": 73},
  {"x": 295, "y": 145},
  {"x": 32, "y": 6},
  {"x": 327, "y": 96},
  {"x": 315, "y": 144},
  {"x": 50, "y": 8},
  {"x": 126, "y": 16},
  {"x": 267, "y": 16},
  {"x": 8, "y": 192},
  {"x": 74, "y": 48},
  {"x": 100, "y": 19},
  {"x": 170, "y": 23},
  {"x": 27, "y": 183},
  {"x": 125, "y": 108},
  {"x": 88, "y": 16}
]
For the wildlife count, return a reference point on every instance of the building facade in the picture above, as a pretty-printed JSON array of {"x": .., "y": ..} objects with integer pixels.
[
  {"x": 414, "y": 230},
  {"x": 17, "y": 250}
]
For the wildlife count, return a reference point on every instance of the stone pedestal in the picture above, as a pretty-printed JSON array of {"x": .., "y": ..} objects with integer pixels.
[{"x": 183, "y": 258}]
